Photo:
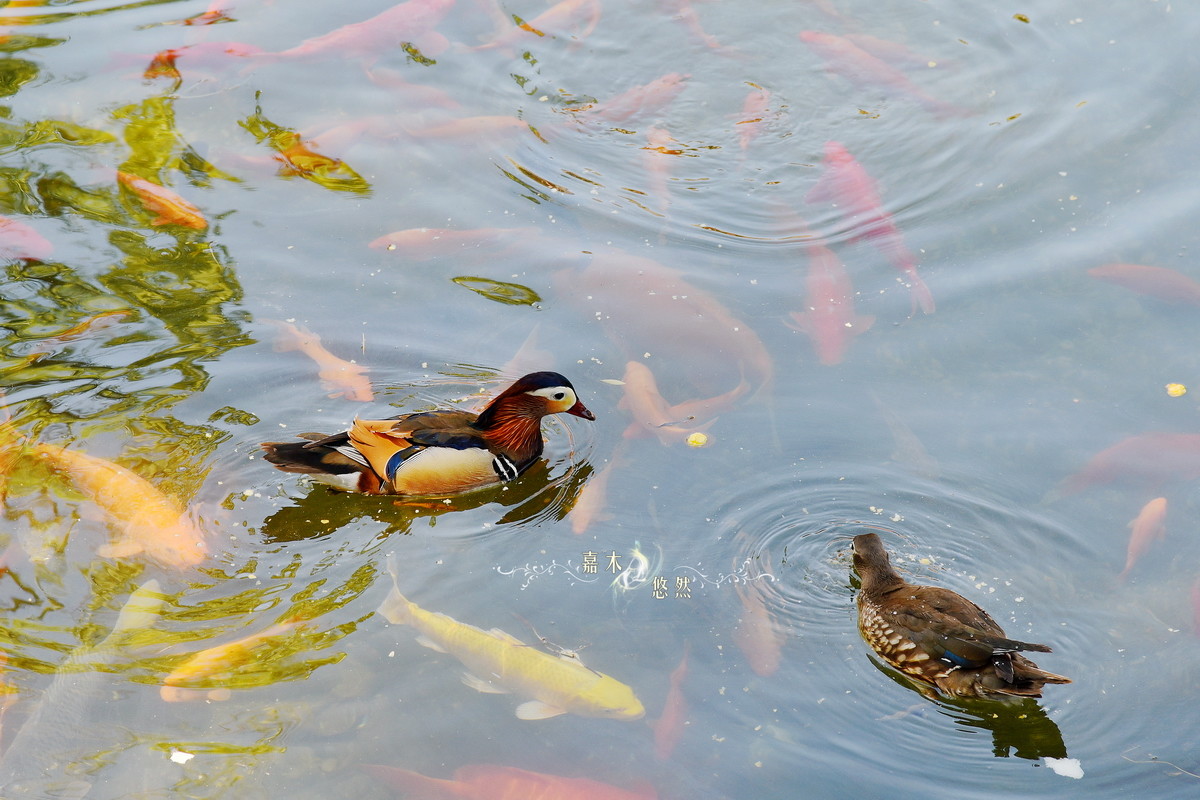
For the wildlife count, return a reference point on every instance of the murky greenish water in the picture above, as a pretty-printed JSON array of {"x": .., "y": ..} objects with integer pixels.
[{"x": 577, "y": 229}]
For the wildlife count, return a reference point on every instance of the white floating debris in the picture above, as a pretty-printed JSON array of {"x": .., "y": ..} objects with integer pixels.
[
  {"x": 180, "y": 757},
  {"x": 1067, "y": 767}
]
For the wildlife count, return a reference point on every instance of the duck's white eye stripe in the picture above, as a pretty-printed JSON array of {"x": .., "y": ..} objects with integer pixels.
[{"x": 558, "y": 394}]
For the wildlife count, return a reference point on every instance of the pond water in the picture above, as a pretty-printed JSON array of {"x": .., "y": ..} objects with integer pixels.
[{"x": 449, "y": 201}]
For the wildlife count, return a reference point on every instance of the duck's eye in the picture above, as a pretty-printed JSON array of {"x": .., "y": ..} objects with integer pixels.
[{"x": 559, "y": 395}]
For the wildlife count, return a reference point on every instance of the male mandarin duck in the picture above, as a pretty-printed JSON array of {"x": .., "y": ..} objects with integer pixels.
[
  {"x": 436, "y": 452},
  {"x": 939, "y": 637}
]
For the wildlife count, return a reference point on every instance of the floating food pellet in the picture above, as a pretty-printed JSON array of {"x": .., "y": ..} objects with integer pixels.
[
  {"x": 1176, "y": 389},
  {"x": 697, "y": 439}
]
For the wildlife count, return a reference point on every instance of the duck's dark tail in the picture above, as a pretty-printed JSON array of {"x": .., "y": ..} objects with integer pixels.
[{"x": 308, "y": 458}]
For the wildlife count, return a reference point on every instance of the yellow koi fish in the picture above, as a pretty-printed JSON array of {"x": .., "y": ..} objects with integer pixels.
[
  {"x": 215, "y": 662},
  {"x": 558, "y": 685},
  {"x": 148, "y": 522}
]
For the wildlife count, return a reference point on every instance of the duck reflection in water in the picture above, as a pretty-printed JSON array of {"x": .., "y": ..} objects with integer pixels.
[
  {"x": 954, "y": 653},
  {"x": 1020, "y": 726},
  {"x": 539, "y": 495}
]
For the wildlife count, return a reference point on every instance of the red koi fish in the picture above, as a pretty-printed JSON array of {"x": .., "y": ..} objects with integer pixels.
[
  {"x": 754, "y": 111},
  {"x": 643, "y": 101},
  {"x": 845, "y": 184},
  {"x": 169, "y": 206},
  {"x": 405, "y": 22},
  {"x": 1157, "y": 282},
  {"x": 865, "y": 70},
  {"x": 669, "y": 728},
  {"x": 830, "y": 321},
  {"x": 562, "y": 16},
  {"x": 339, "y": 377},
  {"x": 1147, "y": 526},
  {"x": 491, "y": 782},
  {"x": 19, "y": 241},
  {"x": 1148, "y": 460}
]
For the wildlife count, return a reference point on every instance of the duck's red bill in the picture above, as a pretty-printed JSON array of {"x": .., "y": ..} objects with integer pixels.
[{"x": 580, "y": 410}]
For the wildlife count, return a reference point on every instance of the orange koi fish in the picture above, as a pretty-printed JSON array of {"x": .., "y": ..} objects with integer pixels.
[
  {"x": 298, "y": 158},
  {"x": 830, "y": 321},
  {"x": 405, "y": 22},
  {"x": 754, "y": 110},
  {"x": 93, "y": 324},
  {"x": 642, "y": 101},
  {"x": 422, "y": 244},
  {"x": 339, "y": 377},
  {"x": 491, "y": 782},
  {"x": 651, "y": 412},
  {"x": 1148, "y": 460},
  {"x": 147, "y": 521},
  {"x": 1157, "y": 282},
  {"x": 169, "y": 206},
  {"x": 561, "y": 16},
  {"x": 756, "y": 635},
  {"x": 847, "y": 186},
  {"x": 669, "y": 728},
  {"x": 213, "y": 663},
  {"x": 1147, "y": 526},
  {"x": 20, "y": 241},
  {"x": 207, "y": 54},
  {"x": 866, "y": 71}
]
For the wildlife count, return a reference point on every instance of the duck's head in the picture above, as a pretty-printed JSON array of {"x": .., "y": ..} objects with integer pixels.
[
  {"x": 540, "y": 394},
  {"x": 871, "y": 562}
]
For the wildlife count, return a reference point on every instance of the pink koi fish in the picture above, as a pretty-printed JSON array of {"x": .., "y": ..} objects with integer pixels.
[
  {"x": 845, "y": 184},
  {"x": 668, "y": 730},
  {"x": 1148, "y": 460},
  {"x": 492, "y": 782},
  {"x": 20, "y": 241},
  {"x": 830, "y": 321},
  {"x": 642, "y": 101},
  {"x": 405, "y": 22},
  {"x": 1157, "y": 282},
  {"x": 865, "y": 70},
  {"x": 1145, "y": 528},
  {"x": 754, "y": 110}
]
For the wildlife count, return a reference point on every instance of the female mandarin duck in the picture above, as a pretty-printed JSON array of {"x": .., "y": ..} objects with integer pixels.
[
  {"x": 436, "y": 452},
  {"x": 939, "y": 637}
]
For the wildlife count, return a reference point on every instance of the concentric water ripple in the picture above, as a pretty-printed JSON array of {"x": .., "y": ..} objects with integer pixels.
[{"x": 943, "y": 531}]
